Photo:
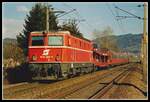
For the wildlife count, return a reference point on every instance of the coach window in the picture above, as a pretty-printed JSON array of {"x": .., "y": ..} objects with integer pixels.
[
  {"x": 96, "y": 57},
  {"x": 55, "y": 40},
  {"x": 102, "y": 57},
  {"x": 106, "y": 58},
  {"x": 99, "y": 58},
  {"x": 37, "y": 40}
]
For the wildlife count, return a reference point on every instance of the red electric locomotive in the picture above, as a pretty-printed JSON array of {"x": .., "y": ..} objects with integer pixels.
[{"x": 59, "y": 54}]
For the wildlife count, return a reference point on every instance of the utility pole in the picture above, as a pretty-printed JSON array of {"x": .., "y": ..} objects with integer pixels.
[
  {"x": 52, "y": 11},
  {"x": 145, "y": 42},
  {"x": 47, "y": 18}
]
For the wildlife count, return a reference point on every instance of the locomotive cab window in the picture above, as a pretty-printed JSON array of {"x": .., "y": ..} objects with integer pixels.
[
  {"x": 37, "y": 40},
  {"x": 55, "y": 40}
]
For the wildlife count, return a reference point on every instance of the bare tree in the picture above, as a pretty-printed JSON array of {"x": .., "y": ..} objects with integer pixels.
[{"x": 106, "y": 39}]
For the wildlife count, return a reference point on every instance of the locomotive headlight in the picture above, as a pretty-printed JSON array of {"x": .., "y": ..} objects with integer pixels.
[{"x": 34, "y": 57}]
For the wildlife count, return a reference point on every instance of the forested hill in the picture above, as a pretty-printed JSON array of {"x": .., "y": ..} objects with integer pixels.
[
  {"x": 126, "y": 42},
  {"x": 130, "y": 42},
  {"x": 9, "y": 41}
]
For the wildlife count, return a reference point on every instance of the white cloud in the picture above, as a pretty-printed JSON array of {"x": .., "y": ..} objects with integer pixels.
[
  {"x": 23, "y": 9},
  {"x": 11, "y": 27}
]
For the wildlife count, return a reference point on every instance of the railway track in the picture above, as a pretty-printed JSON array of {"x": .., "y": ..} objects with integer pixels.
[
  {"x": 107, "y": 87},
  {"x": 87, "y": 86},
  {"x": 68, "y": 91},
  {"x": 60, "y": 89},
  {"x": 77, "y": 92},
  {"x": 97, "y": 91}
]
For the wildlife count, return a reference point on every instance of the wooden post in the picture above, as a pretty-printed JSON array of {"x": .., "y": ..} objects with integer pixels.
[
  {"x": 47, "y": 19},
  {"x": 145, "y": 41}
]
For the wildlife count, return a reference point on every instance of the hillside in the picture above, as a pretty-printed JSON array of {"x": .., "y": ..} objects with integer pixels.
[
  {"x": 128, "y": 42},
  {"x": 9, "y": 41},
  {"x": 131, "y": 42}
]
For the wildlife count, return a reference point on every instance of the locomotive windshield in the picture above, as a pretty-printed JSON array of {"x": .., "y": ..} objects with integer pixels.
[
  {"x": 55, "y": 40},
  {"x": 37, "y": 41}
]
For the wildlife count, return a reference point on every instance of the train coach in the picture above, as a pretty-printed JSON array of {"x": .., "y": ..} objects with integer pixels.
[
  {"x": 118, "y": 58},
  {"x": 101, "y": 58}
]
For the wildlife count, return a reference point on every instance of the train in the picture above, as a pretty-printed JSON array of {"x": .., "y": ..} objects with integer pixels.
[{"x": 57, "y": 55}]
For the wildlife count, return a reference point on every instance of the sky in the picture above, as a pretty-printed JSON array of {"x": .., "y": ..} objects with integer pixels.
[{"x": 96, "y": 16}]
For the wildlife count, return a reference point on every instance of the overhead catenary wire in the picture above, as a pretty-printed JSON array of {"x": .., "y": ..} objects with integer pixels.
[
  {"x": 132, "y": 15},
  {"x": 114, "y": 16},
  {"x": 129, "y": 13},
  {"x": 79, "y": 17},
  {"x": 117, "y": 13},
  {"x": 121, "y": 23},
  {"x": 70, "y": 17},
  {"x": 77, "y": 13},
  {"x": 66, "y": 13}
]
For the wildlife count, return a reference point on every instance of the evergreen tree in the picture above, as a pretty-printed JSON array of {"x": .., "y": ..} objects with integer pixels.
[
  {"x": 35, "y": 21},
  {"x": 72, "y": 26}
]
